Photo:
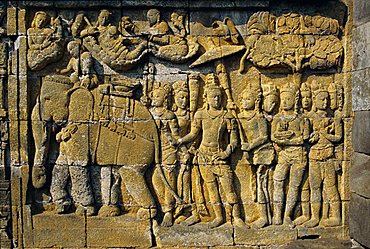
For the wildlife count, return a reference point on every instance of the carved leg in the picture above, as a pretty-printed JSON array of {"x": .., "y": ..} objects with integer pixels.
[
  {"x": 81, "y": 190},
  {"x": 108, "y": 209},
  {"x": 169, "y": 199},
  {"x": 60, "y": 177},
  {"x": 280, "y": 174},
  {"x": 134, "y": 180},
  {"x": 226, "y": 182},
  {"x": 296, "y": 175},
  {"x": 262, "y": 175},
  {"x": 305, "y": 198},
  {"x": 316, "y": 198},
  {"x": 331, "y": 190}
]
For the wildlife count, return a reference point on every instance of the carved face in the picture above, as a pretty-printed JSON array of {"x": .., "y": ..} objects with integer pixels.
[
  {"x": 269, "y": 103},
  {"x": 152, "y": 16},
  {"x": 287, "y": 101},
  {"x": 247, "y": 101},
  {"x": 40, "y": 21},
  {"x": 322, "y": 100},
  {"x": 126, "y": 23},
  {"x": 158, "y": 97},
  {"x": 103, "y": 18},
  {"x": 86, "y": 62},
  {"x": 181, "y": 99},
  {"x": 214, "y": 98},
  {"x": 306, "y": 101}
]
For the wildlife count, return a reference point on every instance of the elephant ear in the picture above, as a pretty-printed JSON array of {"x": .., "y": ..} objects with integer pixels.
[{"x": 81, "y": 105}]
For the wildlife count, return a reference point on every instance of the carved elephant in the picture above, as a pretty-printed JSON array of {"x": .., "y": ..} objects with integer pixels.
[
  {"x": 122, "y": 134},
  {"x": 126, "y": 136}
]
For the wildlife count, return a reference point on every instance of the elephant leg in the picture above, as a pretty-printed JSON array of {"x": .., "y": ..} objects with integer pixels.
[
  {"x": 135, "y": 183},
  {"x": 107, "y": 186}
]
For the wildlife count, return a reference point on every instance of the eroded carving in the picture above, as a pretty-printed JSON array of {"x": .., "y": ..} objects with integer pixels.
[{"x": 144, "y": 142}]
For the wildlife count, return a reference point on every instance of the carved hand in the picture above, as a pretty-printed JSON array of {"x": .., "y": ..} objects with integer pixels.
[{"x": 245, "y": 146}]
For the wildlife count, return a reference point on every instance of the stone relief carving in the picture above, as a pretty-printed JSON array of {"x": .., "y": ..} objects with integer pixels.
[{"x": 172, "y": 150}]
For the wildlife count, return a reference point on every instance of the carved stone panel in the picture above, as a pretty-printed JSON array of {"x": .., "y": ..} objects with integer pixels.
[{"x": 142, "y": 126}]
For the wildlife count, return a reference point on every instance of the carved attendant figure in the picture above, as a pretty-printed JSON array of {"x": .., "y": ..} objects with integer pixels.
[
  {"x": 45, "y": 43},
  {"x": 305, "y": 194},
  {"x": 259, "y": 148},
  {"x": 288, "y": 132},
  {"x": 168, "y": 131},
  {"x": 219, "y": 139},
  {"x": 322, "y": 168}
]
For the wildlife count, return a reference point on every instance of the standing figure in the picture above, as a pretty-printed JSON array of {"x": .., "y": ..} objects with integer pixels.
[
  {"x": 259, "y": 149},
  {"x": 288, "y": 132},
  {"x": 306, "y": 101},
  {"x": 168, "y": 133},
  {"x": 219, "y": 139},
  {"x": 322, "y": 168},
  {"x": 185, "y": 187}
]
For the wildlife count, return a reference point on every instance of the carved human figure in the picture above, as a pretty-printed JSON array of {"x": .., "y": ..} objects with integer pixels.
[
  {"x": 177, "y": 24},
  {"x": 44, "y": 41},
  {"x": 306, "y": 100},
  {"x": 219, "y": 139},
  {"x": 184, "y": 179},
  {"x": 168, "y": 132},
  {"x": 162, "y": 42},
  {"x": 260, "y": 152},
  {"x": 157, "y": 26},
  {"x": 270, "y": 100},
  {"x": 88, "y": 77},
  {"x": 322, "y": 166},
  {"x": 73, "y": 49},
  {"x": 288, "y": 132}
]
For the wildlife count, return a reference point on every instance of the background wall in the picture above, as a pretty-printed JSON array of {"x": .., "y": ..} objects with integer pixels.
[{"x": 360, "y": 169}]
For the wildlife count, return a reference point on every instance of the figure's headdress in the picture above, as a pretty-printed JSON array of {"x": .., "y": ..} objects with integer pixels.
[
  {"x": 180, "y": 86},
  {"x": 305, "y": 90},
  {"x": 212, "y": 83},
  {"x": 269, "y": 89},
  {"x": 318, "y": 87}
]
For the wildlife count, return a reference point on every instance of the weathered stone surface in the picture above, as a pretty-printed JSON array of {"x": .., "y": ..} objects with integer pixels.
[
  {"x": 360, "y": 135},
  {"x": 360, "y": 174},
  {"x": 194, "y": 236},
  {"x": 361, "y": 90},
  {"x": 177, "y": 123},
  {"x": 361, "y": 12},
  {"x": 361, "y": 47},
  {"x": 121, "y": 231},
  {"x": 358, "y": 218},
  {"x": 266, "y": 236},
  {"x": 52, "y": 230},
  {"x": 321, "y": 243}
]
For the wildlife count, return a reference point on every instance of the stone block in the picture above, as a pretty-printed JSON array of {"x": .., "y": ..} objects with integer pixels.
[
  {"x": 228, "y": 4},
  {"x": 196, "y": 235},
  {"x": 361, "y": 90},
  {"x": 361, "y": 47},
  {"x": 120, "y": 231},
  {"x": 265, "y": 236},
  {"x": 361, "y": 12},
  {"x": 322, "y": 232},
  {"x": 359, "y": 219},
  {"x": 52, "y": 230},
  {"x": 360, "y": 134},
  {"x": 360, "y": 175}
]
